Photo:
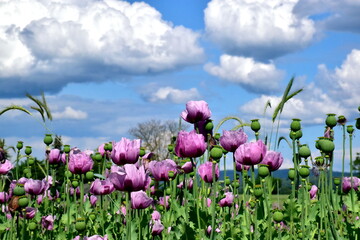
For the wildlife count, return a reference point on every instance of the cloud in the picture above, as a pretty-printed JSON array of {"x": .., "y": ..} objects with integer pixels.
[
  {"x": 253, "y": 76},
  {"x": 70, "y": 113},
  {"x": 47, "y": 44},
  {"x": 334, "y": 91},
  {"x": 173, "y": 95},
  {"x": 259, "y": 29},
  {"x": 332, "y": 14}
]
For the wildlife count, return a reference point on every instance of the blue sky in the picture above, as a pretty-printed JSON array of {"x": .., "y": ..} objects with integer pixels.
[{"x": 106, "y": 65}]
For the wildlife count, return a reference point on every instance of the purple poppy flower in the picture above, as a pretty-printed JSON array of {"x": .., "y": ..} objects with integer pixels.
[
  {"x": 101, "y": 187},
  {"x": 80, "y": 163},
  {"x": 4, "y": 196},
  {"x": 313, "y": 192},
  {"x": 155, "y": 215},
  {"x": 196, "y": 111},
  {"x": 157, "y": 228},
  {"x": 231, "y": 140},
  {"x": 101, "y": 149},
  {"x": 273, "y": 160},
  {"x": 54, "y": 156},
  {"x": 5, "y": 167},
  {"x": 205, "y": 172},
  {"x": 34, "y": 187},
  {"x": 187, "y": 167},
  {"x": 208, "y": 230},
  {"x": 160, "y": 169},
  {"x": 47, "y": 222},
  {"x": 139, "y": 200},
  {"x": 228, "y": 200},
  {"x": 166, "y": 203},
  {"x": 130, "y": 178},
  {"x": 93, "y": 200},
  {"x": 30, "y": 212},
  {"x": 250, "y": 153},
  {"x": 190, "y": 144},
  {"x": 240, "y": 167},
  {"x": 348, "y": 183},
  {"x": 125, "y": 151}
]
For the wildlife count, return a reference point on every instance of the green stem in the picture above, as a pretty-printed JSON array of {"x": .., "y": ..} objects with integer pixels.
[{"x": 213, "y": 203}]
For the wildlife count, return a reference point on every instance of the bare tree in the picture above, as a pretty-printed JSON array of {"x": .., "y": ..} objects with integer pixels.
[{"x": 156, "y": 135}]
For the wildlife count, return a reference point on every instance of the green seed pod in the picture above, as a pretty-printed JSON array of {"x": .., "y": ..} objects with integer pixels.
[
  {"x": 216, "y": 152},
  {"x": 357, "y": 124},
  {"x": 278, "y": 216},
  {"x": 252, "y": 204},
  {"x": 108, "y": 146},
  {"x": 304, "y": 171},
  {"x": 19, "y": 145},
  {"x": 255, "y": 125},
  {"x": 142, "y": 151},
  {"x": 92, "y": 216},
  {"x": 263, "y": 170},
  {"x": 26, "y": 170},
  {"x": 97, "y": 157},
  {"x": 171, "y": 174},
  {"x": 341, "y": 120},
  {"x": 108, "y": 165},
  {"x": 258, "y": 191},
  {"x": 337, "y": 181},
  {"x": 304, "y": 151},
  {"x": 209, "y": 125},
  {"x": 48, "y": 139},
  {"x": 32, "y": 226},
  {"x": 89, "y": 175},
  {"x": 350, "y": 129},
  {"x": 291, "y": 174},
  {"x": 67, "y": 148},
  {"x": 171, "y": 147},
  {"x": 235, "y": 184},
  {"x": 28, "y": 150},
  {"x": 331, "y": 121},
  {"x": 326, "y": 145},
  {"x": 217, "y": 136},
  {"x": 295, "y": 125},
  {"x": 298, "y": 135},
  {"x": 168, "y": 191},
  {"x": 292, "y": 135},
  {"x": 75, "y": 183},
  {"x": 80, "y": 224},
  {"x": 19, "y": 190},
  {"x": 28, "y": 175},
  {"x": 23, "y": 201},
  {"x": 319, "y": 161},
  {"x": 68, "y": 174},
  {"x": 227, "y": 181},
  {"x": 31, "y": 161}
]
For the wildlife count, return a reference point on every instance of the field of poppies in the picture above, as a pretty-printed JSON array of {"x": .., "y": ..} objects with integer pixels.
[{"x": 122, "y": 191}]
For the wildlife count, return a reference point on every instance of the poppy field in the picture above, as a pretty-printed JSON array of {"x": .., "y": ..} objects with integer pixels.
[{"x": 122, "y": 191}]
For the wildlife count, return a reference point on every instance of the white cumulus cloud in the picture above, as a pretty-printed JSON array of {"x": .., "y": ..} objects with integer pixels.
[
  {"x": 47, "y": 44},
  {"x": 170, "y": 94},
  {"x": 257, "y": 28},
  {"x": 252, "y": 75},
  {"x": 70, "y": 113}
]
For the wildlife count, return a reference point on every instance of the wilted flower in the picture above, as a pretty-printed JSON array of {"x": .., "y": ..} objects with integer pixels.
[
  {"x": 125, "y": 151},
  {"x": 54, "y": 156},
  {"x": 313, "y": 192},
  {"x": 5, "y": 167},
  {"x": 250, "y": 153},
  {"x": 139, "y": 200},
  {"x": 231, "y": 140},
  {"x": 80, "y": 163},
  {"x": 205, "y": 172},
  {"x": 157, "y": 228},
  {"x": 208, "y": 230},
  {"x": 190, "y": 144},
  {"x": 160, "y": 169},
  {"x": 34, "y": 187},
  {"x": 228, "y": 200},
  {"x": 196, "y": 111},
  {"x": 47, "y": 222},
  {"x": 30, "y": 212},
  {"x": 101, "y": 187},
  {"x": 273, "y": 160}
]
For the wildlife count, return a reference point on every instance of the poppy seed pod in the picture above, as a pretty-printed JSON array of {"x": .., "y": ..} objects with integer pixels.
[
  {"x": 295, "y": 125},
  {"x": 278, "y": 216},
  {"x": 19, "y": 145},
  {"x": 304, "y": 171},
  {"x": 326, "y": 145},
  {"x": 216, "y": 152},
  {"x": 350, "y": 129},
  {"x": 258, "y": 191},
  {"x": 48, "y": 139},
  {"x": 357, "y": 124},
  {"x": 331, "y": 121},
  {"x": 291, "y": 174},
  {"x": 255, "y": 125},
  {"x": 263, "y": 170},
  {"x": 304, "y": 151}
]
